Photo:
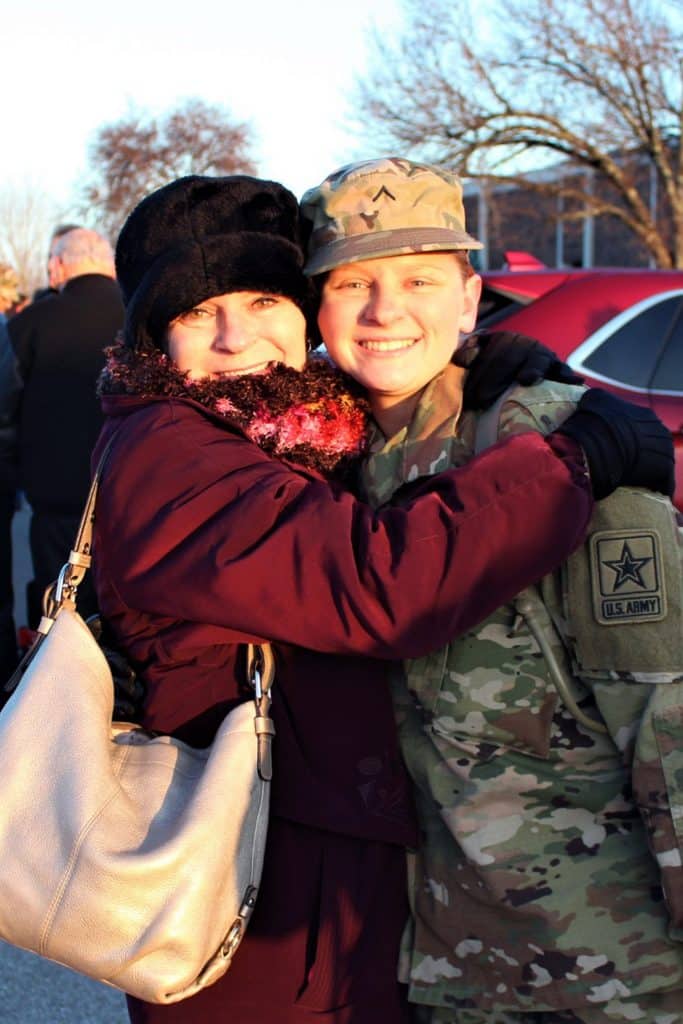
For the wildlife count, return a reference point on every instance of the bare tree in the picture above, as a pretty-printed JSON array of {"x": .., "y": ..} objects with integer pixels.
[
  {"x": 27, "y": 219},
  {"x": 595, "y": 85},
  {"x": 139, "y": 153}
]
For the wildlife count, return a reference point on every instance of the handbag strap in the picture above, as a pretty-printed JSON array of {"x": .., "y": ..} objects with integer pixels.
[
  {"x": 63, "y": 591},
  {"x": 260, "y": 657},
  {"x": 260, "y": 672},
  {"x": 80, "y": 557}
]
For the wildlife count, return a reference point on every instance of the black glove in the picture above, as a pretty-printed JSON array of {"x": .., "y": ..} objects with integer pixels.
[
  {"x": 129, "y": 690},
  {"x": 497, "y": 359},
  {"x": 624, "y": 444}
]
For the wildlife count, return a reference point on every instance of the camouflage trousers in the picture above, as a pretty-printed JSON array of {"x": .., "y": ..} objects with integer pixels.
[{"x": 655, "y": 1008}]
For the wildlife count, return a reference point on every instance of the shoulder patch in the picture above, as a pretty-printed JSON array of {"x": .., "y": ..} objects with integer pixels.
[{"x": 627, "y": 581}]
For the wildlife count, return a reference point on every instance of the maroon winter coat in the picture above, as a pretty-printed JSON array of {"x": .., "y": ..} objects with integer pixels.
[{"x": 202, "y": 543}]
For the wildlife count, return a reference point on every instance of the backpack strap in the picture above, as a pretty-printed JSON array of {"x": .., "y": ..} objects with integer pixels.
[
  {"x": 488, "y": 422},
  {"x": 529, "y": 604}
]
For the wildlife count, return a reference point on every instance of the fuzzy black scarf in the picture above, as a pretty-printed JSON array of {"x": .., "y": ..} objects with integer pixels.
[{"x": 316, "y": 417}]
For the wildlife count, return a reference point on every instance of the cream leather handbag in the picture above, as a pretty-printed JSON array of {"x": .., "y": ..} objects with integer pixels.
[{"x": 130, "y": 857}]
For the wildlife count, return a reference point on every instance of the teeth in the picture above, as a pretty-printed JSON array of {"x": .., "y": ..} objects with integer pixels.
[
  {"x": 260, "y": 368},
  {"x": 390, "y": 345}
]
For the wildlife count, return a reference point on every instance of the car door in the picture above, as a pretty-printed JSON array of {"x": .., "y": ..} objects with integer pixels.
[{"x": 639, "y": 354}]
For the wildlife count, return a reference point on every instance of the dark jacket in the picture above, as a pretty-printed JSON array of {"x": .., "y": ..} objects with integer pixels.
[
  {"x": 10, "y": 390},
  {"x": 59, "y": 342},
  {"x": 203, "y": 542}
]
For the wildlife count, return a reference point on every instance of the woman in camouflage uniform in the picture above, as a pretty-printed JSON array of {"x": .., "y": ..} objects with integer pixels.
[{"x": 545, "y": 743}]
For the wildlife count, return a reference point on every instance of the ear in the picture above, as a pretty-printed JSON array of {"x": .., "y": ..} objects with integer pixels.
[
  {"x": 472, "y": 288},
  {"x": 58, "y": 272}
]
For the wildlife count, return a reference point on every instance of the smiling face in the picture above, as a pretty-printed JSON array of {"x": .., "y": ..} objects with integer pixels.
[
  {"x": 393, "y": 323},
  {"x": 237, "y": 333}
]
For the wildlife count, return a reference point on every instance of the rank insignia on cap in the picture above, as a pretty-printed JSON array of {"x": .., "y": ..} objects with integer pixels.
[{"x": 626, "y": 577}]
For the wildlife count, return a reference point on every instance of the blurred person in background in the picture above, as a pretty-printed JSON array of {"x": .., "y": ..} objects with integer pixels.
[
  {"x": 59, "y": 344},
  {"x": 51, "y": 288},
  {"x": 9, "y": 393}
]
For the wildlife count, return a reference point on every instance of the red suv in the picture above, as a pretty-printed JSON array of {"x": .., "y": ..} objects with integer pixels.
[{"x": 620, "y": 329}]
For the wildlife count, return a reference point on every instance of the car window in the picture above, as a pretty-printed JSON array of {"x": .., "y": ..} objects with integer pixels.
[
  {"x": 668, "y": 375},
  {"x": 630, "y": 355},
  {"x": 493, "y": 306}
]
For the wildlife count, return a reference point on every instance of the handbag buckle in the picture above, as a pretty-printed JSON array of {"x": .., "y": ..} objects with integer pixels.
[
  {"x": 234, "y": 936},
  {"x": 232, "y": 939},
  {"x": 260, "y": 669},
  {"x": 64, "y": 589},
  {"x": 256, "y": 683}
]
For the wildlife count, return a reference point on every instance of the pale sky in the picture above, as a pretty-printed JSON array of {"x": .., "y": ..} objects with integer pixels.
[{"x": 67, "y": 67}]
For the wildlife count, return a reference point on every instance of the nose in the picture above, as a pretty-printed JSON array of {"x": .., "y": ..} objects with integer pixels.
[
  {"x": 383, "y": 305},
  {"x": 233, "y": 333}
]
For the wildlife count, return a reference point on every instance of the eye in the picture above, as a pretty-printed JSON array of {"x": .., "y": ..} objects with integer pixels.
[
  {"x": 194, "y": 315},
  {"x": 265, "y": 301},
  {"x": 353, "y": 284}
]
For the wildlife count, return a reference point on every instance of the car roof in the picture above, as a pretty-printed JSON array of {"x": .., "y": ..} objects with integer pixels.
[{"x": 563, "y": 307}]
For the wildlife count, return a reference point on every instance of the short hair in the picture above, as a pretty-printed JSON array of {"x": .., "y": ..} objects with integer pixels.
[
  {"x": 80, "y": 245},
  {"x": 63, "y": 229},
  {"x": 462, "y": 257}
]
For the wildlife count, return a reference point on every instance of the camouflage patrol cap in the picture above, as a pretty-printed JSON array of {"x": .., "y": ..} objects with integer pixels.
[{"x": 384, "y": 207}]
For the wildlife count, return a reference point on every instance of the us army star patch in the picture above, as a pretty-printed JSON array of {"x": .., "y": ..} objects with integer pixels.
[{"x": 626, "y": 577}]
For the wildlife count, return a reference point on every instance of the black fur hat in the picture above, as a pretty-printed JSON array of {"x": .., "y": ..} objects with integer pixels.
[{"x": 202, "y": 236}]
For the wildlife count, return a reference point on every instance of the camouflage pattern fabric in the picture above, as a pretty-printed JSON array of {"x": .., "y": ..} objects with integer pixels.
[
  {"x": 385, "y": 207},
  {"x": 662, "y": 1008},
  {"x": 534, "y": 892}
]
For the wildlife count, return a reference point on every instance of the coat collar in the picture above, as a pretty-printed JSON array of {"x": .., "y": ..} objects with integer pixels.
[{"x": 316, "y": 417}]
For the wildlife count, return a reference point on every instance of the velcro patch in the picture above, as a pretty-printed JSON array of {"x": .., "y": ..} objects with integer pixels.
[{"x": 627, "y": 582}]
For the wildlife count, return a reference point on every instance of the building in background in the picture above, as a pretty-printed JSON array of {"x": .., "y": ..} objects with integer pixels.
[{"x": 508, "y": 217}]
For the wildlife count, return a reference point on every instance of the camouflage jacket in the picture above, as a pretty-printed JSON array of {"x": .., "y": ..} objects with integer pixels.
[{"x": 534, "y": 887}]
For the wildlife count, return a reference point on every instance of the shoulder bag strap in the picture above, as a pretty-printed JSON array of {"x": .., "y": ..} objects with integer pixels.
[
  {"x": 260, "y": 658},
  {"x": 80, "y": 556}
]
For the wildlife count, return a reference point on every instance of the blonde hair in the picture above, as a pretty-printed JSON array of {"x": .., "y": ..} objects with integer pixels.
[{"x": 9, "y": 285}]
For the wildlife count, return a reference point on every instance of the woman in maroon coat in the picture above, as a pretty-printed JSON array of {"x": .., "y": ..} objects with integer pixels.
[{"x": 222, "y": 519}]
